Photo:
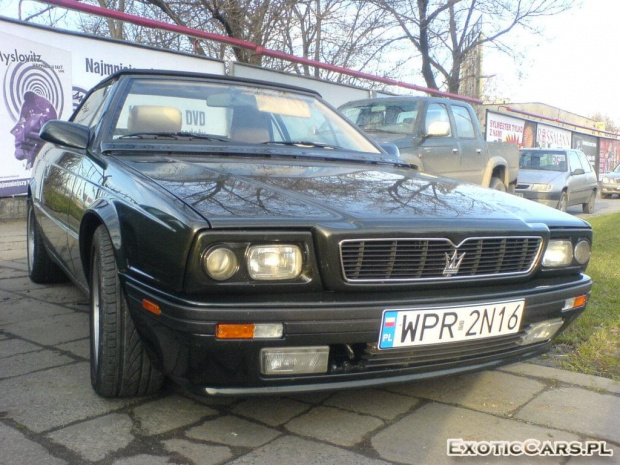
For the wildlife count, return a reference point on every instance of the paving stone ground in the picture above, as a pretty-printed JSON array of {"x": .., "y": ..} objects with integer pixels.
[{"x": 50, "y": 415}]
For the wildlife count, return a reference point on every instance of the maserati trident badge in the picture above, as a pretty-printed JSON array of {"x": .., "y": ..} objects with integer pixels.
[{"x": 453, "y": 263}]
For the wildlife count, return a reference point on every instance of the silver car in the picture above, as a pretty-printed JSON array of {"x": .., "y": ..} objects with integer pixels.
[
  {"x": 557, "y": 178},
  {"x": 610, "y": 183}
]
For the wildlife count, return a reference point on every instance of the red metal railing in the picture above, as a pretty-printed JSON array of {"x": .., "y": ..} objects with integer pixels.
[{"x": 151, "y": 23}]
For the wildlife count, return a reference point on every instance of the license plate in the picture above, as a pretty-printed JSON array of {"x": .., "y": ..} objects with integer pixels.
[
  {"x": 407, "y": 328},
  {"x": 519, "y": 194}
]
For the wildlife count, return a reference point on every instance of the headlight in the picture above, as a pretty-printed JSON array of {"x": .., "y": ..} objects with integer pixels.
[
  {"x": 220, "y": 263},
  {"x": 274, "y": 262},
  {"x": 582, "y": 252},
  {"x": 558, "y": 253},
  {"x": 541, "y": 187},
  {"x": 606, "y": 180}
]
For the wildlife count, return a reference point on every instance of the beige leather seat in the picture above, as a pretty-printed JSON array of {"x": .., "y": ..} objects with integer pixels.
[{"x": 151, "y": 118}]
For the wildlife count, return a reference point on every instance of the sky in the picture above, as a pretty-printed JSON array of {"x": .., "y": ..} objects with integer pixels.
[{"x": 574, "y": 65}]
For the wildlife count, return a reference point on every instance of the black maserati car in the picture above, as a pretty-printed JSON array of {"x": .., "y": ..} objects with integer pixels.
[{"x": 242, "y": 237}]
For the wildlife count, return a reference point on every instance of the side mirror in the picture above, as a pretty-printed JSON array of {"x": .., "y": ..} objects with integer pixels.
[
  {"x": 65, "y": 134},
  {"x": 578, "y": 171},
  {"x": 390, "y": 149},
  {"x": 438, "y": 129}
]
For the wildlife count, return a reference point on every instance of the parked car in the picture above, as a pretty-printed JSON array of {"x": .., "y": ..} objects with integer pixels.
[
  {"x": 242, "y": 237},
  {"x": 558, "y": 178},
  {"x": 610, "y": 183},
  {"x": 438, "y": 136}
]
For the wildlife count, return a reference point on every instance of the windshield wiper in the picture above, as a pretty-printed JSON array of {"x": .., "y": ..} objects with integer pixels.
[
  {"x": 198, "y": 135},
  {"x": 303, "y": 143},
  {"x": 174, "y": 135}
]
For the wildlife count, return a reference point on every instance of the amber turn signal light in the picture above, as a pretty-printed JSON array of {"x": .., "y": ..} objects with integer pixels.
[
  {"x": 581, "y": 300},
  {"x": 150, "y": 306},
  {"x": 234, "y": 331}
]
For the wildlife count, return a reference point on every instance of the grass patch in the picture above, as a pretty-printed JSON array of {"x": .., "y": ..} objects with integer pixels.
[{"x": 593, "y": 339}]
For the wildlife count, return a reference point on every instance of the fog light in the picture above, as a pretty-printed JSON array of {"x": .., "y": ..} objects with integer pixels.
[
  {"x": 220, "y": 263},
  {"x": 582, "y": 252},
  {"x": 541, "y": 331},
  {"x": 558, "y": 253},
  {"x": 274, "y": 262},
  {"x": 294, "y": 360}
]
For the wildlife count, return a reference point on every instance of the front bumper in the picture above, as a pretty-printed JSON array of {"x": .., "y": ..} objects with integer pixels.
[
  {"x": 607, "y": 188},
  {"x": 181, "y": 340},
  {"x": 550, "y": 199}
]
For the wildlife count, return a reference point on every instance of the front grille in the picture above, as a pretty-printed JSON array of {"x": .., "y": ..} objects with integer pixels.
[
  {"x": 394, "y": 260},
  {"x": 436, "y": 353}
]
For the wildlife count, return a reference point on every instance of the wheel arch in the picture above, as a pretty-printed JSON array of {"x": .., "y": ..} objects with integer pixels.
[
  {"x": 102, "y": 213},
  {"x": 496, "y": 167}
]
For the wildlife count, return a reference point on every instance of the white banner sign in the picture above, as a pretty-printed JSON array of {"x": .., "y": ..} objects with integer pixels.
[
  {"x": 502, "y": 128},
  {"x": 550, "y": 137}
]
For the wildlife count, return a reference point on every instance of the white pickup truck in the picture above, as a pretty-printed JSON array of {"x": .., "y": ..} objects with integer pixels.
[{"x": 438, "y": 136}]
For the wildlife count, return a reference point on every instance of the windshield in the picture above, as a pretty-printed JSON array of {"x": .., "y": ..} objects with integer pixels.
[
  {"x": 184, "y": 109},
  {"x": 391, "y": 116},
  {"x": 538, "y": 160}
]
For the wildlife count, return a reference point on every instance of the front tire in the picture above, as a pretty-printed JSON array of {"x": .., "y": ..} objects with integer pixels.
[
  {"x": 119, "y": 365},
  {"x": 589, "y": 206},
  {"x": 497, "y": 184},
  {"x": 563, "y": 203},
  {"x": 41, "y": 268}
]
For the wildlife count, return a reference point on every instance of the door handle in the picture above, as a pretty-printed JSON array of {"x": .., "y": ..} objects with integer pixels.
[
  {"x": 478, "y": 150},
  {"x": 455, "y": 151}
]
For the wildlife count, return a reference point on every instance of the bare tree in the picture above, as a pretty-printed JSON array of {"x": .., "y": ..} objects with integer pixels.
[
  {"x": 348, "y": 33},
  {"x": 609, "y": 123},
  {"x": 445, "y": 32},
  {"x": 256, "y": 21},
  {"x": 355, "y": 34},
  {"x": 114, "y": 26}
]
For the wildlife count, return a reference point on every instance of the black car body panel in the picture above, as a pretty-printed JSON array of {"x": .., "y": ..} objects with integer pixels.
[{"x": 167, "y": 200}]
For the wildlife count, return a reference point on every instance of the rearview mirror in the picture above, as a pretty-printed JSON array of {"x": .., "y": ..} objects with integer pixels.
[
  {"x": 438, "y": 129},
  {"x": 578, "y": 171},
  {"x": 65, "y": 134}
]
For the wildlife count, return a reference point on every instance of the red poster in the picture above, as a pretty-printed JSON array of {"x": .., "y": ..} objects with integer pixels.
[{"x": 609, "y": 155}]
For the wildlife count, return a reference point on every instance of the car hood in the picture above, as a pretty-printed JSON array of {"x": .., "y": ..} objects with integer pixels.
[
  {"x": 400, "y": 140},
  {"x": 540, "y": 176},
  {"x": 611, "y": 175},
  {"x": 246, "y": 192}
]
